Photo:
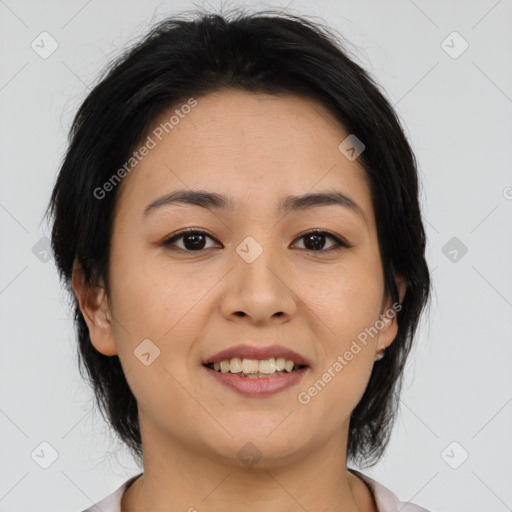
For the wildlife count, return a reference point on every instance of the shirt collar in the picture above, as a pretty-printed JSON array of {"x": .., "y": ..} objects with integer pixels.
[{"x": 385, "y": 499}]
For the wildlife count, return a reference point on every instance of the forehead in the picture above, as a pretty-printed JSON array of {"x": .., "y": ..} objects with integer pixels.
[{"x": 255, "y": 148}]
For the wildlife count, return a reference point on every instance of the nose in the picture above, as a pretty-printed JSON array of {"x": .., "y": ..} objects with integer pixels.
[{"x": 259, "y": 290}]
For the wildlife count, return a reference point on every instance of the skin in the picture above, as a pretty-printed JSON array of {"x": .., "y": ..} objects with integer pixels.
[{"x": 258, "y": 148}]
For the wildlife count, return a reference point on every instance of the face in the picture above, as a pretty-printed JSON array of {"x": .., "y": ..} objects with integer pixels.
[{"x": 252, "y": 273}]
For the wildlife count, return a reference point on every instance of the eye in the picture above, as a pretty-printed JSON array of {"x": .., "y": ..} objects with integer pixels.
[
  {"x": 314, "y": 241},
  {"x": 194, "y": 240}
]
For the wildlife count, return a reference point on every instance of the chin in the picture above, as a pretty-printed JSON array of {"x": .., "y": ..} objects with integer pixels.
[{"x": 261, "y": 448}]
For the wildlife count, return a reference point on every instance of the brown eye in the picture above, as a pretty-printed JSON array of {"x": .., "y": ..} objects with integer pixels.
[
  {"x": 192, "y": 240},
  {"x": 195, "y": 241},
  {"x": 315, "y": 241}
]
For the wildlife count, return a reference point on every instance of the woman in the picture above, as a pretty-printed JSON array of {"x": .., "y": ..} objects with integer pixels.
[{"x": 237, "y": 218}]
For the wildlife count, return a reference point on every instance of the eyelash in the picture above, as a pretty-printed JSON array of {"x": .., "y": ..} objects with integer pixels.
[{"x": 341, "y": 244}]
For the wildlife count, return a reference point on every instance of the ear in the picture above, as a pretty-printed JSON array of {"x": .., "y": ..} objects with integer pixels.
[
  {"x": 93, "y": 304},
  {"x": 389, "y": 313}
]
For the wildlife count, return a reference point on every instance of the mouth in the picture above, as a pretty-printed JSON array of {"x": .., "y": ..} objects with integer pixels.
[{"x": 254, "y": 368}]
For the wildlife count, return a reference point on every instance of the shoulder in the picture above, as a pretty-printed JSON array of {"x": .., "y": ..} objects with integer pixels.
[
  {"x": 385, "y": 499},
  {"x": 112, "y": 503}
]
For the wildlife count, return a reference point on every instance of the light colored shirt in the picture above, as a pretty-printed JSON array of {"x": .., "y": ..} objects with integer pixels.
[{"x": 385, "y": 499}]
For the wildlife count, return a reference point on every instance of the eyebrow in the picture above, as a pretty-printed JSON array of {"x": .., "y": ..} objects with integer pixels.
[{"x": 208, "y": 200}]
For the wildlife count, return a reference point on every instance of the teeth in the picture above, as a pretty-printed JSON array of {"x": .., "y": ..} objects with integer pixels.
[
  {"x": 268, "y": 366},
  {"x": 250, "y": 366},
  {"x": 235, "y": 365},
  {"x": 254, "y": 368}
]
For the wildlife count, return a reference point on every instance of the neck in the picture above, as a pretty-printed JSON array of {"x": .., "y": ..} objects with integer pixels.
[{"x": 180, "y": 478}]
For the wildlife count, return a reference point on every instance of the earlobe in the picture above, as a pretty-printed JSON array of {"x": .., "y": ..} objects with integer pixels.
[
  {"x": 401, "y": 283},
  {"x": 389, "y": 321},
  {"x": 93, "y": 304}
]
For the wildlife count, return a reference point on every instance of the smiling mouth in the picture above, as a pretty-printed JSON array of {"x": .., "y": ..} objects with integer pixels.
[{"x": 256, "y": 368}]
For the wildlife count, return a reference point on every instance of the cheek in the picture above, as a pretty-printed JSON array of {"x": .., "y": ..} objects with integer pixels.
[
  {"x": 331, "y": 395},
  {"x": 151, "y": 297},
  {"x": 157, "y": 309},
  {"x": 347, "y": 298},
  {"x": 348, "y": 306},
  {"x": 347, "y": 353}
]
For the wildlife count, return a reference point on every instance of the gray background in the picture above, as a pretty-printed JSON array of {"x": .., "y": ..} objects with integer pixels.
[{"x": 457, "y": 112}]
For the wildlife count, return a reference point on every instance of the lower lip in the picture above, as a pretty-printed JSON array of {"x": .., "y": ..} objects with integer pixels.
[{"x": 258, "y": 387}]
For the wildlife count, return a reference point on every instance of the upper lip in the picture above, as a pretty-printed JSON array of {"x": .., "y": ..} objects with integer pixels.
[{"x": 258, "y": 352}]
